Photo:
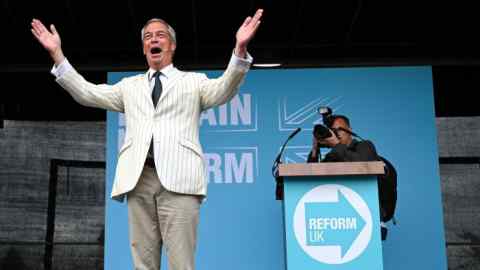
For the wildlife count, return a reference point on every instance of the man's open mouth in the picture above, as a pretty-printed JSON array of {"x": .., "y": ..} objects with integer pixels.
[{"x": 155, "y": 50}]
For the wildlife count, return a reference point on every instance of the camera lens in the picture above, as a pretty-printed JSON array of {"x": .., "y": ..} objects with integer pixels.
[{"x": 321, "y": 132}]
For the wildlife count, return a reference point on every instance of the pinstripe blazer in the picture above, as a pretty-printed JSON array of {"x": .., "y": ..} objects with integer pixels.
[{"x": 174, "y": 123}]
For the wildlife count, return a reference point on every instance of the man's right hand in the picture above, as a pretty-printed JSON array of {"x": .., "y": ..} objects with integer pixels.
[
  {"x": 49, "y": 40},
  {"x": 330, "y": 142}
]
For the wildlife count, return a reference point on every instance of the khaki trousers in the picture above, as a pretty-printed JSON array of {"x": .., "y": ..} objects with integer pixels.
[{"x": 159, "y": 217}]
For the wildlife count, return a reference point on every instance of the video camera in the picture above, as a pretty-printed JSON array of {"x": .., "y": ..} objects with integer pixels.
[{"x": 320, "y": 131}]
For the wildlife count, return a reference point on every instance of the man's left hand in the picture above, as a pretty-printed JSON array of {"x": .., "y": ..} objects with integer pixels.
[{"x": 246, "y": 32}]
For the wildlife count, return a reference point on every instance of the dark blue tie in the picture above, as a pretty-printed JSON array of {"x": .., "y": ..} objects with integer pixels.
[
  {"x": 157, "y": 89},
  {"x": 156, "y": 93}
]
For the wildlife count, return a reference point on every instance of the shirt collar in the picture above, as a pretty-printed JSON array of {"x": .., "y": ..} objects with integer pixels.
[
  {"x": 166, "y": 71},
  {"x": 353, "y": 143}
]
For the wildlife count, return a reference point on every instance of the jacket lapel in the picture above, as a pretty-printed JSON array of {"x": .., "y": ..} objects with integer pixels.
[
  {"x": 170, "y": 85},
  {"x": 146, "y": 91}
]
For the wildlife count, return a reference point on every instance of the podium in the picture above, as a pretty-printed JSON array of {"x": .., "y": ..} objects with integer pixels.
[{"x": 331, "y": 215}]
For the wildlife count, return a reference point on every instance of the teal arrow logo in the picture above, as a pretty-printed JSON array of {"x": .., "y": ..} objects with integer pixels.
[{"x": 334, "y": 223}]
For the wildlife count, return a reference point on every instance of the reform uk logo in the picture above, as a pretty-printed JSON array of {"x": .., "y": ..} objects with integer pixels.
[
  {"x": 302, "y": 112},
  {"x": 332, "y": 224},
  {"x": 237, "y": 115}
]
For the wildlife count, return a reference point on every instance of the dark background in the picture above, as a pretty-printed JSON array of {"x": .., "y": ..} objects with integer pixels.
[{"x": 102, "y": 36}]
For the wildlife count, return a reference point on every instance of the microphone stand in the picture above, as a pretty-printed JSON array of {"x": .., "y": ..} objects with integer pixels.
[{"x": 277, "y": 162}]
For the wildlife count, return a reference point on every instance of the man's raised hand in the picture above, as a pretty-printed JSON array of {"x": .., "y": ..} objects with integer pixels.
[
  {"x": 50, "y": 40},
  {"x": 246, "y": 32}
]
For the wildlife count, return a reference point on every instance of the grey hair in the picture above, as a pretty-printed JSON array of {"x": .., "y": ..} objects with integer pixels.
[{"x": 170, "y": 29}]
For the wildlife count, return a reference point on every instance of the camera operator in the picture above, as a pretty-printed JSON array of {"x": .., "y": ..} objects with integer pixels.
[{"x": 343, "y": 146}]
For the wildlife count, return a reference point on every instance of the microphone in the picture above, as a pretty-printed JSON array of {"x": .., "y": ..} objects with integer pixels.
[
  {"x": 279, "y": 180},
  {"x": 279, "y": 156},
  {"x": 294, "y": 133}
]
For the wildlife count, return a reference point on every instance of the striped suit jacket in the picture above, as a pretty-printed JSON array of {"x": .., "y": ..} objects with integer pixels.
[{"x": 174, "y": 123}]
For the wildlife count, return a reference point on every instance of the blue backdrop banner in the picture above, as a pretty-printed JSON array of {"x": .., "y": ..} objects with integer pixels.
[{"x": 241, "y": 223}]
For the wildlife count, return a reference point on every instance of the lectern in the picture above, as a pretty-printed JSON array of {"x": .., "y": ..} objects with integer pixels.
[{"x": 331, "y": 215}]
